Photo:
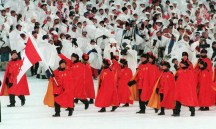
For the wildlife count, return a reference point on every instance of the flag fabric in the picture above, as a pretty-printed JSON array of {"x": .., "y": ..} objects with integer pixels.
[{"x": 30, "y": 57}]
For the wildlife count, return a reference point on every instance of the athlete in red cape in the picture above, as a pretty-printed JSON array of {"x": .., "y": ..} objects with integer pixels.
[
  {"x": 107, "y": 91},
  {"x": 77, "y": 70},
  {"x": 206, "y": 94},
  {"x": 124, "y": 76},
  {"x": 166, "y": 89},
  {"x": 88, "y": 80},
  {"x": 185, "y": 91},
  {"x": 10, "y": 86},
  {"x": 140, "y": 80},
  {"x": 63, "y": 89}
]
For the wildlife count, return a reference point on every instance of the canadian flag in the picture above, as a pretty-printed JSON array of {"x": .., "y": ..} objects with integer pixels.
[{"x": 30, "y": 57}]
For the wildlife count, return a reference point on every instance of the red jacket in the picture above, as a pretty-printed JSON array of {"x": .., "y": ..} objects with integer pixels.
[{"x": 11, "y": 73}]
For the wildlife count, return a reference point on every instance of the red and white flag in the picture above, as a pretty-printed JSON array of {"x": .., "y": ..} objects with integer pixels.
[{"x": 30, "y": 57}]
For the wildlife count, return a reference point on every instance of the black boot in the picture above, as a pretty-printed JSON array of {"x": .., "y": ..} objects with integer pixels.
[
  {"x": 192, "y": 113},
  {"x": 141, "y": 112},
  {"x": 126, "y": 105},
  {"x": 22, "y": 98},
  {"x": 43, "y": 77},
  {"x": 156, "y": 110},
  {"x": 57, "y": 114},
  {"x": 38, "y": 76},
  {"x": 176, "y": 113},
  {"x": 162, "y": 111},
  {"x": 86, "y": 104},
  {"x": 11, "y": 105},
  {"x": 114, "y": 108},
  {"x": 76, "y": 101},
  {"x": 206, "y": 109},
  {"x": 91, "y": 101},
  {"x": 102, "y": 110},
  {"x": 192, "y": 109},
  {"x": 70, "y": 113},
  {"x": 201, "y": 108}
]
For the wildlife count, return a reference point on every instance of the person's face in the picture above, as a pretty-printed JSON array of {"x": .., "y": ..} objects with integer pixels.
[
  {"x": 186, "y": 38},
  {"x": 184, "y": 57},
  {"x": 101, "y": 12},
  {"x": 3, "y": 13},
  {"x": 84, "y": 34},
  {"x": 56, "y": 21},
  {"x": 14, "y": 56},
  {"x": 74, "y": 29},
  {"x": 159, "y": 34},
  {"x": 73, "y": 59},
  {"x": 176, "y": 62},
  {"x": 35, "y": 35},
  {"x": 182, "y": 65},
  {"x": 150, "y": 60},
  {"x": 164, "y": 67},
  {"x": 201, "y": 65},
  {"x": 126, "y": 11},
  {"x": 203, "y": 54},
  {"x": 20, "y": 28},
  {"x": 142, "y": 59},
  {"x": 92, "y": 43},
  {"x": 62, "y": 65}
]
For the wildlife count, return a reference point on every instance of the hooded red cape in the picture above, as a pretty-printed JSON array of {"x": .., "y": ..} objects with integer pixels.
[
  {"x": 89, "y": 84},
  {"x": 149, "y": 82},
  {"x": 185, "y": 90},
  {"x": 11, "y": 73},
  {"x": 124, "y": 93},
  {"x": 64, "y": 88},
  {"x": 107, "y": 92}
]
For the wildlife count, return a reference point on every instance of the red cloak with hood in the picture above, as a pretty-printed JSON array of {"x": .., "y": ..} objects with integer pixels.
[
  {"x": 124, "y": 93},
  {"x": 63, "y": 88},
  {"x": 88, "y": 81},
  {"x": 149, "y": 82},
  {"x": 11, "y": 73},
  {"x": 107, "y": 91},
  {"x": 142, "y": 73},
  {"x": 185, "y": 90},
  {"x": 167, "y": 88}
]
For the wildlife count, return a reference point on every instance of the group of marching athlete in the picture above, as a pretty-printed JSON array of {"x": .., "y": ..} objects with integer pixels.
[{"x": 191, "y": 86}]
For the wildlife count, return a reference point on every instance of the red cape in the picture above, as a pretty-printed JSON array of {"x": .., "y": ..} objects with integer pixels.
[
  {"x": 107, "y": 93},
  {"x": 78, "y": 74},
  {"x": 11, "y": 72},
  {"x": 64, "y": 89},
  {"x": 206, "y": 95},
  {"x": 89, "y": 84},
  {"x": 142, "y": 73},
  {"x": 185, "y": 90},
  {"x": 115, "y": 67},
  {"x": 167, "y": 88},
  {"x": 149, "y": 82},
  {"x": 124, "y": 93}
]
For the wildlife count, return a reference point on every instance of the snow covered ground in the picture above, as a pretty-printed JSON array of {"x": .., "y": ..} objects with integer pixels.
[{"x": 34, "y": 115}]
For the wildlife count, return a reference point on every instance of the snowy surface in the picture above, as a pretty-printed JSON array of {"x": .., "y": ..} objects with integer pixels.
[{"x": 34, "y": 115}]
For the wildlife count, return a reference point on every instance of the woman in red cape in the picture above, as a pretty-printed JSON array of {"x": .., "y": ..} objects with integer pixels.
[
  {"x": 115, "y": 66},
  {"x": 77, "y": 70},
  {"x": 124, "y": 76},
  {"x": 206, "y": 94},
  {"x": 140, "y": 80},
  {"x": 166, "y": 88},
  {"x": 153, "y": 75},
  {"x": 88, "y": 80},
  {"x": 107, "y": 91},
  {"x": 10, "y": 86},
  {"x": 63, "y": 89},
  {"x": 185, "y": 91}
]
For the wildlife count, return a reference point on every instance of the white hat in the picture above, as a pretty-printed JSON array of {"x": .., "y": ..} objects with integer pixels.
[
  {"x": 112, "y": 40},
  {"x": 159, "y": 20}
]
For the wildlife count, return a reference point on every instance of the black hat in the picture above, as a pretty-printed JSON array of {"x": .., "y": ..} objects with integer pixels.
[
  {"x": 94, "y": 9},
  {"x": 184, "y": 54},
  {"x": 106, "y": 62},
  {"x": 45, "y": 37},
  {"x": 75, "y": 55},
  {"x": 203, "y": 51},
  {"x": 167, "y": 64},
  {"x": 14, "y": 51},
  {"x": 123, "y": 61},
  {"x": 62, "y": 61},
  {"x": 144, "y": 55},
  {"x": 124, "y": 8}
]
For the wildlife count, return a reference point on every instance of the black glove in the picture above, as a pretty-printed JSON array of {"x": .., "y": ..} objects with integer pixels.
[
  {"x": 131, "y": 83},
  {"x": 111, "y": 55},
  {"x": 94, "y": 50},
  {"x": 58, "y": 50},
  {"x": 154, "y": 42},
  {"x": 7, "y": 81},
  {"x": 57, "y": 30},
  {"x": 10, "y": 85},
  {"x": 124, "y": 52},
  {"x": 157, "y": 91}
]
